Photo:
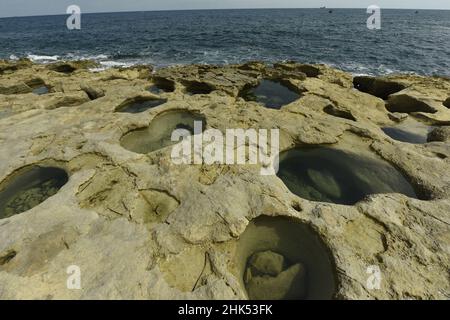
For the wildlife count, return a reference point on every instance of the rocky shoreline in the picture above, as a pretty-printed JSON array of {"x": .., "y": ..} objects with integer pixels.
[{"x": 141, "y": 227}]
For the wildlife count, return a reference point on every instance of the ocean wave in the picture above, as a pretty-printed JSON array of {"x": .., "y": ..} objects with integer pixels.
[
  {"x": 358, "y": 69},
  {"x": 206, "y": 57},
  {"x": 111, "y": 64},
  {"x": 42, "y": 59},
  {"x": 74, "y": 56},
  {"x": 165, "y": 38},
  {"x": 102, "y": 59}
]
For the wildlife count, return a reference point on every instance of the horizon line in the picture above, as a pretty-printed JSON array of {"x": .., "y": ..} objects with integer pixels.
[{"x": 216, "y": 9}]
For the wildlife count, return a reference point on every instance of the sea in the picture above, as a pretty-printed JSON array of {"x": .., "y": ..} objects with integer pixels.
[{"x": 409, "y": 41}]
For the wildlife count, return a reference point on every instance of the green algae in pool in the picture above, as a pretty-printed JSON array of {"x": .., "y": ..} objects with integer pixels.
[
  {"x": 330, "y": 175},
  {"x": 158, "y": 134},
  {"x": 279, "y": 258},
  {"x": 41, "y": 90},
  {"x": 30, "y": 188},
  {"x": 140, "y": 105},
  {"x": 410, "y": 130},
  {"x": 271, "y": 94}
]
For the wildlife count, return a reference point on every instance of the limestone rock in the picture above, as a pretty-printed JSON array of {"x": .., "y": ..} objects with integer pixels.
[
  {"x": 92, "y": 91},
  {"x": 398, "y": 117},
  {"x": 308, "y": 70},
  {"x": 7, "y": 67},
  {"x": 14, "y": 88},
  {"x": 140, "y": 226},
  {"x": 410, "y": 101},
  {"x": 69, "y": 67}
]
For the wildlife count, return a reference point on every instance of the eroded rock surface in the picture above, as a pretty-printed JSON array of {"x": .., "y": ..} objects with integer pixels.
[{"x": 141, "y": 227}]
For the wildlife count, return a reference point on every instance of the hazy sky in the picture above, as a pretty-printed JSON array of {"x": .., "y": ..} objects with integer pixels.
[{"x": 42, "y": 7}]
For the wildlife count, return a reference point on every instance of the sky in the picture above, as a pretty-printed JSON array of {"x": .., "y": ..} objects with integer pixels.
[{"x": 9, "y": 8}]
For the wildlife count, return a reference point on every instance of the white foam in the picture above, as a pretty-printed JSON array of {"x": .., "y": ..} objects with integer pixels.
[
  {"x": 97, "y": 69},
  {"x": 111, "y": 64},
  {"x": 102, "y": 59},
  {"x": 73, "y": 56},
  {"x": 99, "y": 57},
  {"x": 42, "y": 59}
]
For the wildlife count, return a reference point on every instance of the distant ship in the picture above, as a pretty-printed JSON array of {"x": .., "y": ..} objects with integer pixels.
[{"x": 323, "y": 7}]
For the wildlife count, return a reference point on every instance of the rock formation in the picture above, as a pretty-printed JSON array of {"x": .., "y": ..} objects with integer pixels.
[{"x": 141, "y": 227}]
